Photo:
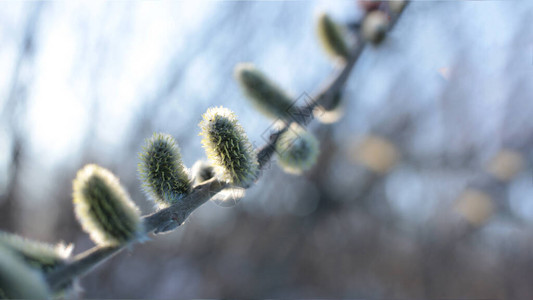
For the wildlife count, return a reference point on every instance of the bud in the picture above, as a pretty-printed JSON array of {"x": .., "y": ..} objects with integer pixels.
[
  {"x": 202, "y": 171},
  {"x": 227, "y": 147},
  {"x": 41, "y": 256},
  {"x": 18, "y": 280},
  {"x": 397, "y": 6},
  {"x": 375, "y": 27},
  {"x": 331, "y": 113},
  {"x": 162, "y": 172},
  {"x": 331, "y": 37},
  {"x": 104, "y": 208},
  {"x": 297, "y": 150},
  {"x": 265, "y": 95}
]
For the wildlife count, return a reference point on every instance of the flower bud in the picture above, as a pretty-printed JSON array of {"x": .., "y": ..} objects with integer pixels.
[
  {"x": 162, "y": 172},
  {"x": 265, "y": 95},
  {"x": 104, "y": 208},
  {"x": 375, "y": 27},
  {"x": 331, "y": 37},
  {"x": 297, "y": 150},
  {"x": 227, "y": 147}
]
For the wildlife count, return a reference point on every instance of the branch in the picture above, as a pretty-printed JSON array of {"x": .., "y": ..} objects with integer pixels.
[
  {"x": 170, "y": 218},
  {"x": 161, "y": 221}
]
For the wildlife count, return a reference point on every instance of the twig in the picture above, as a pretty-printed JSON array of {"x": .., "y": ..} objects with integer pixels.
[
  {"x": 161, "y": 221},
  {"x": 170, "y": 218}
]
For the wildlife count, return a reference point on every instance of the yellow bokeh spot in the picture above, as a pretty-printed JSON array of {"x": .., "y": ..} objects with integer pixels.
[
  {"x": 505, "y": 165},
  {"x": 475, "y": 206},
  {"x": 375, "y": 153}
]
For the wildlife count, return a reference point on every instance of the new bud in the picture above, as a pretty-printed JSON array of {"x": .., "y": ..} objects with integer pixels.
[
  {"x": 104, "y": 208},
  {"x": 331, "y": 37},
  {"x": 375, "y": 27},
  {"x": 227, "y": 147},
  {"x": 162, "y": 172},
  {"x": 265, "y": 95},
  {"x": 297, "y": 150}
]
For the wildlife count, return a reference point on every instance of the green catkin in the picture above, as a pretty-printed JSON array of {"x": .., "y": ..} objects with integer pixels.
[
  {"x": 227, "y": 147},
  {"x": 266, "y": 96},
  {"x": 104, "y": 208},
  {"x": 165, "y": 178},
  {"x": 18, "y": 280},
  {"x": 297, "y": 150},
  {"x": 331, "y": 37},
  {"x": 41, "y": 256}
]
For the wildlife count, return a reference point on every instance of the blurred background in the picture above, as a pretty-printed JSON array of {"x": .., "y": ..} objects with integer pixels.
[{"x": 423, "y": 189}]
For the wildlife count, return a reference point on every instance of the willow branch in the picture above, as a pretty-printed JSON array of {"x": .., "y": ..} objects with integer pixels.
[
  {"x": 170, "y": 218},
  {"x": 161, "y": 221}
]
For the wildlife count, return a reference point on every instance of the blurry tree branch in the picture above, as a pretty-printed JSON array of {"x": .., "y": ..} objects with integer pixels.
[{"x": 13, "y": 108}]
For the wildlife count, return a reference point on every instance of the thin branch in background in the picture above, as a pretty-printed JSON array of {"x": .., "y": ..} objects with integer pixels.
[{"x": 12, "y": 111}]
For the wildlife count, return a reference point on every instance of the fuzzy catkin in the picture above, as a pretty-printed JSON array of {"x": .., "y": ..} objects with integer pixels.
[
  {"x": 165, "y": 179},
  {"x": 104, "y": 208},
  {"x": 331, "y": 37},
  {"x": 297, "y": 150},
  {"x": 266, "y": 96},
  {"x": 227, "y": 147}
]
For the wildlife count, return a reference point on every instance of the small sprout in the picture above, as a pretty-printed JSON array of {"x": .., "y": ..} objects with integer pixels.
[
  {"x": 297, "y": 150},
  {"x": 202, "y": 171},
  {"x": 227, "y": 147},
  {"x": 375, "y": 27},
  {"x": 104, "y": 208},
  {"x": 330, "y": 35},
  {"x": 41, "y": 256},
  {"x": 18, "y": 280},
  {"x": 162, "y": 172},
  {"x": 265, "y": 95}
]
